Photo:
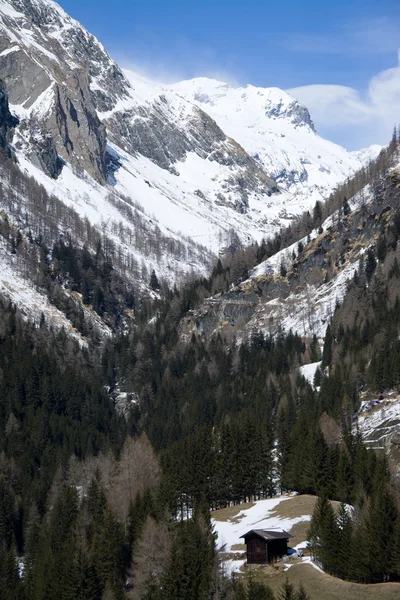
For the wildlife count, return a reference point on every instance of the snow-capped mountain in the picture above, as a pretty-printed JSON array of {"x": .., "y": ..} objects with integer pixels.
[
  {"x": 184, "y": 164},
  {"x": 159, "y": 150},
  {"x": 279, "y": 133},
  {"x": 175, "y": 156}
]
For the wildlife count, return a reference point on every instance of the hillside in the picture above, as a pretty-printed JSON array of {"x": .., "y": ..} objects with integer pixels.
[
  {"x": 299, "y": 286},
  {"x": 292, "y": 514},
  {"x": 199, "y": 334},
  {"x": 160, "y": 175}
]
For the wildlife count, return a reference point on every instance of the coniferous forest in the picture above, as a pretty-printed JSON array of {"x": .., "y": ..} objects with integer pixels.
[
  {"x": 99, "y": 503},
  {"x": 90, "y": 498}
]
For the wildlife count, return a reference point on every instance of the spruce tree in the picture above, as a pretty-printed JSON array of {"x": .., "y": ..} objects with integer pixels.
[
  {"x": 370, "y": 264},
  {"x": 286, "y": 591},
  {"x": 301, "y": 593},
  {"x": 381, "y": 531},
  {"x": 327, "y": 352},
  {"x": 345, "y": 542},
  {"x": 257, "y": 590},
  {"x": 323, "y": 535},
  {"x": 154, "y": 281}
]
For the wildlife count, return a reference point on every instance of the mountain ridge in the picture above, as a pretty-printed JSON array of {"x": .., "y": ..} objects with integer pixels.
[{"x": 140, "y": 160}]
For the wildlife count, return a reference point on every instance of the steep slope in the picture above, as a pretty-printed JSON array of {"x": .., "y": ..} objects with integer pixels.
[
  {"x": 278, "y": 131},
  {"x": 299, "y": 287},
  {"x": 165, "y": 180},
  {"x": 73, "y": 100}
]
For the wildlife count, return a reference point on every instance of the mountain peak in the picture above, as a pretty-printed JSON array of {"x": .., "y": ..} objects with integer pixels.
[
  {"x": 42, "y": 12},
  {"x": 203, "y": 157},
  {"x": 273, "y": 102}
]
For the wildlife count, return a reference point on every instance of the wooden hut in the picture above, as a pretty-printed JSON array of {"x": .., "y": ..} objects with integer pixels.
[{"x": 265, "y": 546}]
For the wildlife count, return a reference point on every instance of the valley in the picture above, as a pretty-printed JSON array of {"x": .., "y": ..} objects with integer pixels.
[{"x": 199, "y": 331}]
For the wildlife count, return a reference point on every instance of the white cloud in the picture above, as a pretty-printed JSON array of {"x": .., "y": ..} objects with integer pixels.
[{"x": 353, "y": 118}]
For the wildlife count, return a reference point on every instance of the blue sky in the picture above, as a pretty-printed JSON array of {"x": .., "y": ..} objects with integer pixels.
[{"x": 339, "y": 57}]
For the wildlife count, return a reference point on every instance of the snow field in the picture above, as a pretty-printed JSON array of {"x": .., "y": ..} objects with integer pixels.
[{"x": 259, "y": 516}]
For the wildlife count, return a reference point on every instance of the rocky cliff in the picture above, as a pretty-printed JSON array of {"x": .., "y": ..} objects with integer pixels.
[
  {"x": 66, "y": 80},
  {"x": 149, "y": 165}
]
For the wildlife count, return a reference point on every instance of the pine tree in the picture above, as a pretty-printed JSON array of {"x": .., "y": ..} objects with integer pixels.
[
  {"x": 370, "y": 264},
  {"x": 301, "y": 593},
  {"x": 345, "y": 542},
  {"x": 10, "y": 584},
  {"x": 380, "y": 529},
  {"x": 286, "y": 591},
  {"x": 327, "y": 352},
  {"x": 107, "y": 552},
  {"x": 154, "y": 281},
  {"x": 257, "y": 590},
  {"x": 323, "y": 535},
  {"x": 314, "y": 349},
  {"x": 344, "y": 479}
]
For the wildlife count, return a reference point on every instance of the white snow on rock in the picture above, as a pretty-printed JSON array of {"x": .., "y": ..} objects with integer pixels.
[
  {"x": 378, "y": 420},
  {"x": 277, "y": 130},
  {"x": 307, "y": 312}
]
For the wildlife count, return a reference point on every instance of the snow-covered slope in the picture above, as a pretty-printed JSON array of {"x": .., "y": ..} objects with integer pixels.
[
  {"x": 72, "y": 93},
  {"x": 185, "y": 164},
  {"x": 278, "y": 131}
]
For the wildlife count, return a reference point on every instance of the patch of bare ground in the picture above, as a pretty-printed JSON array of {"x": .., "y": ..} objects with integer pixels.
[
  {"x": 298, "y": 506},
  {"x": 238, "y": 548},
  {"x": 320, "y": 586},
  {"x": 299, "y": 533},
  {"x": 231, "y": 512}
]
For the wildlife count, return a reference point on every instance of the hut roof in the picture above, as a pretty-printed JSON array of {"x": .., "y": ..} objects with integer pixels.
[{"x": 278, "y": 534}]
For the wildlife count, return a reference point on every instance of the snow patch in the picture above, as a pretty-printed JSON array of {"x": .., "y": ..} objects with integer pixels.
[
  {"x": 259, "y": 516},
  {"x": 308, "y": 371}
]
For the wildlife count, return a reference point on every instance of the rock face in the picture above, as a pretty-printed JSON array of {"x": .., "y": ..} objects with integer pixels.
[
  {"x": 76, "y": 128},
  {"x": 61, "y": 80},
  {"x": 155, "y": 134},
  {"x": 7, "y": 121},
  {"x": 109, "y": 143},
  {"x": 49, "y": 88}
]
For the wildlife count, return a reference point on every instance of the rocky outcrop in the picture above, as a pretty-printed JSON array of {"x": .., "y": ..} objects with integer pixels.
[
  {"x": 76, "y": 128},
  {"x": 151, "y": 132},
  {"x": 46, "y": 157},
  {"x": 297, "y": 114},
  {"x": 25, "y": 79},
  {"x": 50, "y": 81},
  {"x": 7, "y": 120}
]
